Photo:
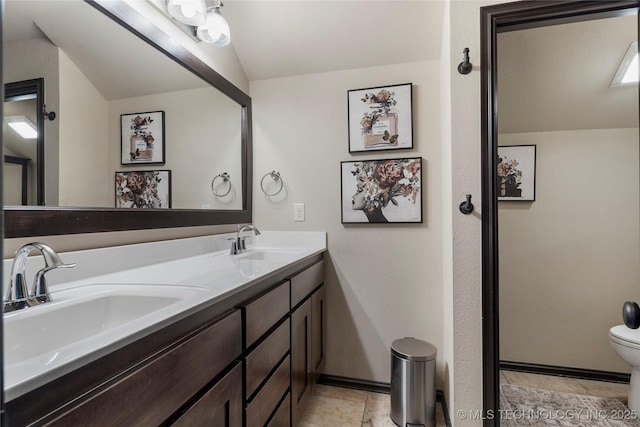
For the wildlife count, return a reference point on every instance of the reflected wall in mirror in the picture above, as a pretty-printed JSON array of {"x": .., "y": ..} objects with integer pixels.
[
  {"x": 23, "y": 143},
  {"x": 579, "y": 242},
  {"x": 124, "y": 64}
]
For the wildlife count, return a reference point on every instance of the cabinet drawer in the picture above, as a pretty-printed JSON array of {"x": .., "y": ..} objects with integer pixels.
[
  {"x": 282, "y": 417},
  {"x": 154, "y": 391},
  {"x": 304, "y": 283},
  {"x": 220, "y": 406},
  {"x": 266, "y": 356},
  {"x": 265, "y": 311},
  {"x": 265, "y": 402}
]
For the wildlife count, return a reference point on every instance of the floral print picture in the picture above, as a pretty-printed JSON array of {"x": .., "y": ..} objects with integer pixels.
[
  {"x": 380, "y": 118},
  {"x": 382, "y": 191},
  {"x": 143, "y": 189},
  {"x": 142, "y": 137},
  {"x": 516, "y": 173}
]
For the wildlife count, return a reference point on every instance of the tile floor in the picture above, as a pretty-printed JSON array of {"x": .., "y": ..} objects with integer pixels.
[
  {"x": 342, "y": 407},
  {"x": 330, "y": 406},
  {"x": 567, "y": 385}
]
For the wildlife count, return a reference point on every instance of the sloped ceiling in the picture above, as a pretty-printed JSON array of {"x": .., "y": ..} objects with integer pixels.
[
  {"x": 557, "y": 77},
  {"x": 287, "y": 38},
  {"x": 550, "y": 78}
]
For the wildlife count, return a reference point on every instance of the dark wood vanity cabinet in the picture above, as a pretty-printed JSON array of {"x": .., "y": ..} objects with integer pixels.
[
  {"x": 307, "y": 334},
  {"x": 283, "y": 339},
  {"x": 267, "y": 358},
  {"x": 247, "y": 361},
  {"x": 151, "y": 393}
]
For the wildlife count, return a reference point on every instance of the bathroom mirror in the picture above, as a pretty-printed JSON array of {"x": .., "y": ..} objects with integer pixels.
[
  {"x": 495, "y": 21},
  {"x": 207, "y": 120}
]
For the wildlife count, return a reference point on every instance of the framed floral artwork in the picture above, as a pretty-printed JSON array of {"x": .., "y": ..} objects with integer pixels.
[
  {"x": 382, "y": 191},
  {"x": 516, "y": 173},
  {"x": 380, "y": 118},
  {"x": 143, "y": 189},
  {"x": 142, "y": 138}
]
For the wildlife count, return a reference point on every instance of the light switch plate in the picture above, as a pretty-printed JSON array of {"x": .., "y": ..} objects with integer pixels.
[{"x": 298, "y": 212}]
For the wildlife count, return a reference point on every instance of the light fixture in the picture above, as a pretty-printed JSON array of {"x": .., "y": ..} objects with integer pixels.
[
  {"x": 189, "y": 12},
  {"x": 23, "y": 126},
  {"x": 215, "y": 30},
  {"x": 628, "y": 71}
]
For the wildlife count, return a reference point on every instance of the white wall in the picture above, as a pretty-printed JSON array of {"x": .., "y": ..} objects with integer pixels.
[
  {"x": 84, "y": 174},
  {"x": 569, "y": 260},
  {"x": 384, "y": 282},
  {"x": 466, "y": 328},
  {"x": 32, "y": 59}
]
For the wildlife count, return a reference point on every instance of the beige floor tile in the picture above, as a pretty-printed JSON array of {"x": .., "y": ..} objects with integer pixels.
[
  {"x": 338, "y": 407},
  {"x": 503, "y": 378},
  {"x": 605, "y": 389},
  {"x": 339, "y": 393},
  {"x": 546, "y": 382},
  {"x": 378, "y": 407},
  {"x": 330, "y": 412}
]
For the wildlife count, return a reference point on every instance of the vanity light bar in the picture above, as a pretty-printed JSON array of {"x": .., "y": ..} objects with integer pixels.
[
  {"x": 627, "y": 73},
  {"x": 25, "y": 127}
]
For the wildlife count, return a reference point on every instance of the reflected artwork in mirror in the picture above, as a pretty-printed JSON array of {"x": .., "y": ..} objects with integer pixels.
[{"x": 123, "y": 63}]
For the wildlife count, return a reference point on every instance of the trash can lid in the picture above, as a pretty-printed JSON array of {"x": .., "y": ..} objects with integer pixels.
[{"x": 413, "y": 349}]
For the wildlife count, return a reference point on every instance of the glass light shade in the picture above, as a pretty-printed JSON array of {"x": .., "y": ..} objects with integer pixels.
[
  {"x": 216, "y": 30},
  {"x": 189, "y": 12}
]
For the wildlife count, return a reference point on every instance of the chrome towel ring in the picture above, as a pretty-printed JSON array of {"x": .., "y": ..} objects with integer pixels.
[
  {"x": 275, "y": 175},
  {"x": 225, "y": 178}
]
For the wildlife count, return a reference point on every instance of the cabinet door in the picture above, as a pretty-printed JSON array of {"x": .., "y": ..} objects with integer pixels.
[
  {"x": 220, "y": 406},
  {"x": 150, "y": 394},
  {"x": 318, "y": 337},
  {"x": 301, "y": 363}
]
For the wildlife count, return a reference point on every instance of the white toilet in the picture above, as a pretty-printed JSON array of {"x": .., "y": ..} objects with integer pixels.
[{"x": 626, "y": 343}]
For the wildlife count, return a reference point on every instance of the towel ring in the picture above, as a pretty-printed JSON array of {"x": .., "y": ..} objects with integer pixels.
[
  {"x": 225, "y": 178},
  {"x": 275, "y": 175}
]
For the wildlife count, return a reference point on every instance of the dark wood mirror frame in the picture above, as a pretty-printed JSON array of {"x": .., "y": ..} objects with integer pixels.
[
  {"x": 493, "y": 20},
  {"x": 46, "y": 221}
]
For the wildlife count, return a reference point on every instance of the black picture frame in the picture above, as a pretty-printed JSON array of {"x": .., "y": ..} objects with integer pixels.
[
  {"x": 144, "y": 189},
  {"x": 142, "y": 138},
  {"x": 381, "y": 191},
  {"x": 516, "y": 173},
  {"x": 380, "y": 118}
]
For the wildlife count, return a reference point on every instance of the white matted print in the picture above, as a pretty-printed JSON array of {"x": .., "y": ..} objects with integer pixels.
[
  {"x": 143, "y": 189},
  {"x": 142, "y": 138},
  {"x": 382, "y": 191},
  {"x": 380, "y": 118},
  {"x": 516, "y": 173}
]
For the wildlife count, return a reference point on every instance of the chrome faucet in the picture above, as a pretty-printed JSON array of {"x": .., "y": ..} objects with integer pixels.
[
  {"x": 238, "y": 244},
  {"x": 17, "y": 296}
]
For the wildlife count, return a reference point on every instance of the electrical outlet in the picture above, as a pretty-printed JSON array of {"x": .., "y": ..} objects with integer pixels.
[{"x": 298, "y": 212}]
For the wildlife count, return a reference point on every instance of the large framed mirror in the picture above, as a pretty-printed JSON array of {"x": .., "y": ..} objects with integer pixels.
[
  {"x": 120, "y": 65},
  {"x": 496, "y": 21}
]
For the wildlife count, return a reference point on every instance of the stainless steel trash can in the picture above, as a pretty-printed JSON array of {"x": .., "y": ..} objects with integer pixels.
[{"x": 413, "y": 385}]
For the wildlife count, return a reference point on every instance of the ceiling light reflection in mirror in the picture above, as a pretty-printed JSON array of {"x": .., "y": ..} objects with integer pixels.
[{"x": 91, "y": 80}]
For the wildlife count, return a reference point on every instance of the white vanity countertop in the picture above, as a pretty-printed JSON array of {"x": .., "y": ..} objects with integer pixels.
[{"x": 200, "y": 269}]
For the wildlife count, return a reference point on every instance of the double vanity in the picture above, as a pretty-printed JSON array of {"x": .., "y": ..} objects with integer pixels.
[{"x": 178, "y": 332}]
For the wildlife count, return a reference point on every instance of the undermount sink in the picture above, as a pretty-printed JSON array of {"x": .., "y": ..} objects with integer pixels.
[{"x": 79, "y": 313}]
